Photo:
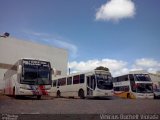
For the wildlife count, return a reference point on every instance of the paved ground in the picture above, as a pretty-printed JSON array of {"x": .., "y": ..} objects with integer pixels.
[{"x": 77, "y": 106}]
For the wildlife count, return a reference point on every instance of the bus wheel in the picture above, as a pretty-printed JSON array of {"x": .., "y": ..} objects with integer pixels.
[
  {"x": 58, "y": 94},
  {"x": 38, "y": 97},
  {"x": 81, "y": 94},
  {"x": 128, "y": 96}
]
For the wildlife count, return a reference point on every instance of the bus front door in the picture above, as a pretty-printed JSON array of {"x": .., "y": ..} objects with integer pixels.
[{"x": 90, "y": 85}]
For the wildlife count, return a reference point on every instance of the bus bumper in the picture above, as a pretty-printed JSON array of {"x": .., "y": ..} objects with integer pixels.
[
  {"x": 145, "y": 96},
  {"x": 33, "y": 92},
  {"x": 99, "y": 93}
]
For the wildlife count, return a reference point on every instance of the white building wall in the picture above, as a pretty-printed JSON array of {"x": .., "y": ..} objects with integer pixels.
[{"x": 12, "y": 49}]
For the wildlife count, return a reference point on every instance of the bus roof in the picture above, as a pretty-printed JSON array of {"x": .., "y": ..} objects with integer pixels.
[{"x": 78, "y": 73}]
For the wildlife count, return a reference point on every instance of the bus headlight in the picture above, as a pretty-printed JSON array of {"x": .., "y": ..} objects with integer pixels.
[{"x": 26, "y": 87}]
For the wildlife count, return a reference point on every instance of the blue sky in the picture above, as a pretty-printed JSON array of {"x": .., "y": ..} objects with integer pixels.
[{"x": 121, "y": 35}]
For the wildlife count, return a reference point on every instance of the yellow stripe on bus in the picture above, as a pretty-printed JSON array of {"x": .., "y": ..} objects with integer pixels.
[{"x": 125, "y": 95}]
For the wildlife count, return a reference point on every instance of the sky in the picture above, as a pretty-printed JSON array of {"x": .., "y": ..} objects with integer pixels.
[{"x": 123, "y": 35}]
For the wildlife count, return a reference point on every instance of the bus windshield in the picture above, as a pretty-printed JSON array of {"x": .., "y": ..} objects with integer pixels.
[
  {"x": 142, "y": 77},
  {"x": 34, "y": 74},
  {"x": 104, "y": 81},
  {"x": 144, "y": 88}
]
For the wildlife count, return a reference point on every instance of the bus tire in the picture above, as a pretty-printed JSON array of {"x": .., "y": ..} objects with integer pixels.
[
  {"x": 38, "y": 97},
  {"x": 58, "y": 94},
  {"x": 128, "y": 96},
  {"x": 81, "y": 93}
]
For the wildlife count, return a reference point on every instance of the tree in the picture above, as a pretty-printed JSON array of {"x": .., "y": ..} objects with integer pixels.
[
  {"x": 6, "y": 34},
  {"x": 102, "y": 68}
]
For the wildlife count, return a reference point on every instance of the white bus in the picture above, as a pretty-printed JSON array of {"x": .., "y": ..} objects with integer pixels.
[
  {"x": 156, "y": 84},
  {"x": 96, "y": 83},
  {"x": 133, "y": 86},
  {"x": 28, "y": 77}
]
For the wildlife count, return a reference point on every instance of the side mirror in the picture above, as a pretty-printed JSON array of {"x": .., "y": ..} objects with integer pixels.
[{"x": 19, "y": 69}]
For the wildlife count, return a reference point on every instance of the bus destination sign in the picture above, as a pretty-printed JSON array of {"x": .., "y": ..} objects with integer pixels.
[{"x": 36, "y": 62}]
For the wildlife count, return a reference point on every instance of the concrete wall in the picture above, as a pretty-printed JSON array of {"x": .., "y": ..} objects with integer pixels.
[{"x": 12, "y": 49}]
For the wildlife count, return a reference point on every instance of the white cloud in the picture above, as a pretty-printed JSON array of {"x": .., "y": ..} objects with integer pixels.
[
  {"x": 117, "y": 67},
  {"x": 116, "y": 10},
  {"x": 54, "y": 40},
  {"x": 146, "y": 62}
]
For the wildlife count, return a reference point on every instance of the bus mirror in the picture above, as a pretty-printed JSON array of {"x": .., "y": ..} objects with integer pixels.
[{"x": 19, "y": 69}]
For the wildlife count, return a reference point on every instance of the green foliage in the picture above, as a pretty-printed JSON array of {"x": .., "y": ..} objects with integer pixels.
[{"x": 102, "y": 68}]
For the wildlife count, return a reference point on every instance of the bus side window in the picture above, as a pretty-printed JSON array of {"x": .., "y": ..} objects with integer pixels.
[
  {"x": 132, "y": 82},
  {"x": 88, "y": 80},
  {"x": 126, "y": 88},
  {"x": 62, "y": 82},
  {"x": 93, "y": 82},
  {"x": 131, "y": 77},
  {"x": 69, "y": 80},
  {"x": 58, "y": 84},
  {"x": 82, "y": 78},
  {"x": 126, "y": 77},
  {"x": 116, "y": 88},
  {"x": 76, "y": 79},
  {"x": 54, "y": 83}
]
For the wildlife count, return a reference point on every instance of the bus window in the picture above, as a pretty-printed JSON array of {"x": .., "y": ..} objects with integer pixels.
[
  {"x": 126, "y": 88},
  {"x": 116, "y": 89},
  {"x": 132, "y": 81},
  {"x": 76, "y": 79},
  {"x": 62, "y": 81},
  {"x": 142, "y": 77},
  {"x": 131, "y": 77},
  {"x": 88, "y": 80},
  {"x": 121, "y": 88},
  {"x": 82, "y": 78},
  {"x": 69, "y": 80},
  {"x": 93, "y": 82},
  {"x": 54, "y": 83},
  {"x": 115, "y": 79},
  {"x": 123, "y": 78},
  {"x": 58, "y": 82}
]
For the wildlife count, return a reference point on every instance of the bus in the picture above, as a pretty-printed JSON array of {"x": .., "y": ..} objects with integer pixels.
[
  {"x": 133, "y": 86},
  {"x": 95, "y": 83},
  {"x": 156, "y": 84},
  {"x": 28, "y": 77}
]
